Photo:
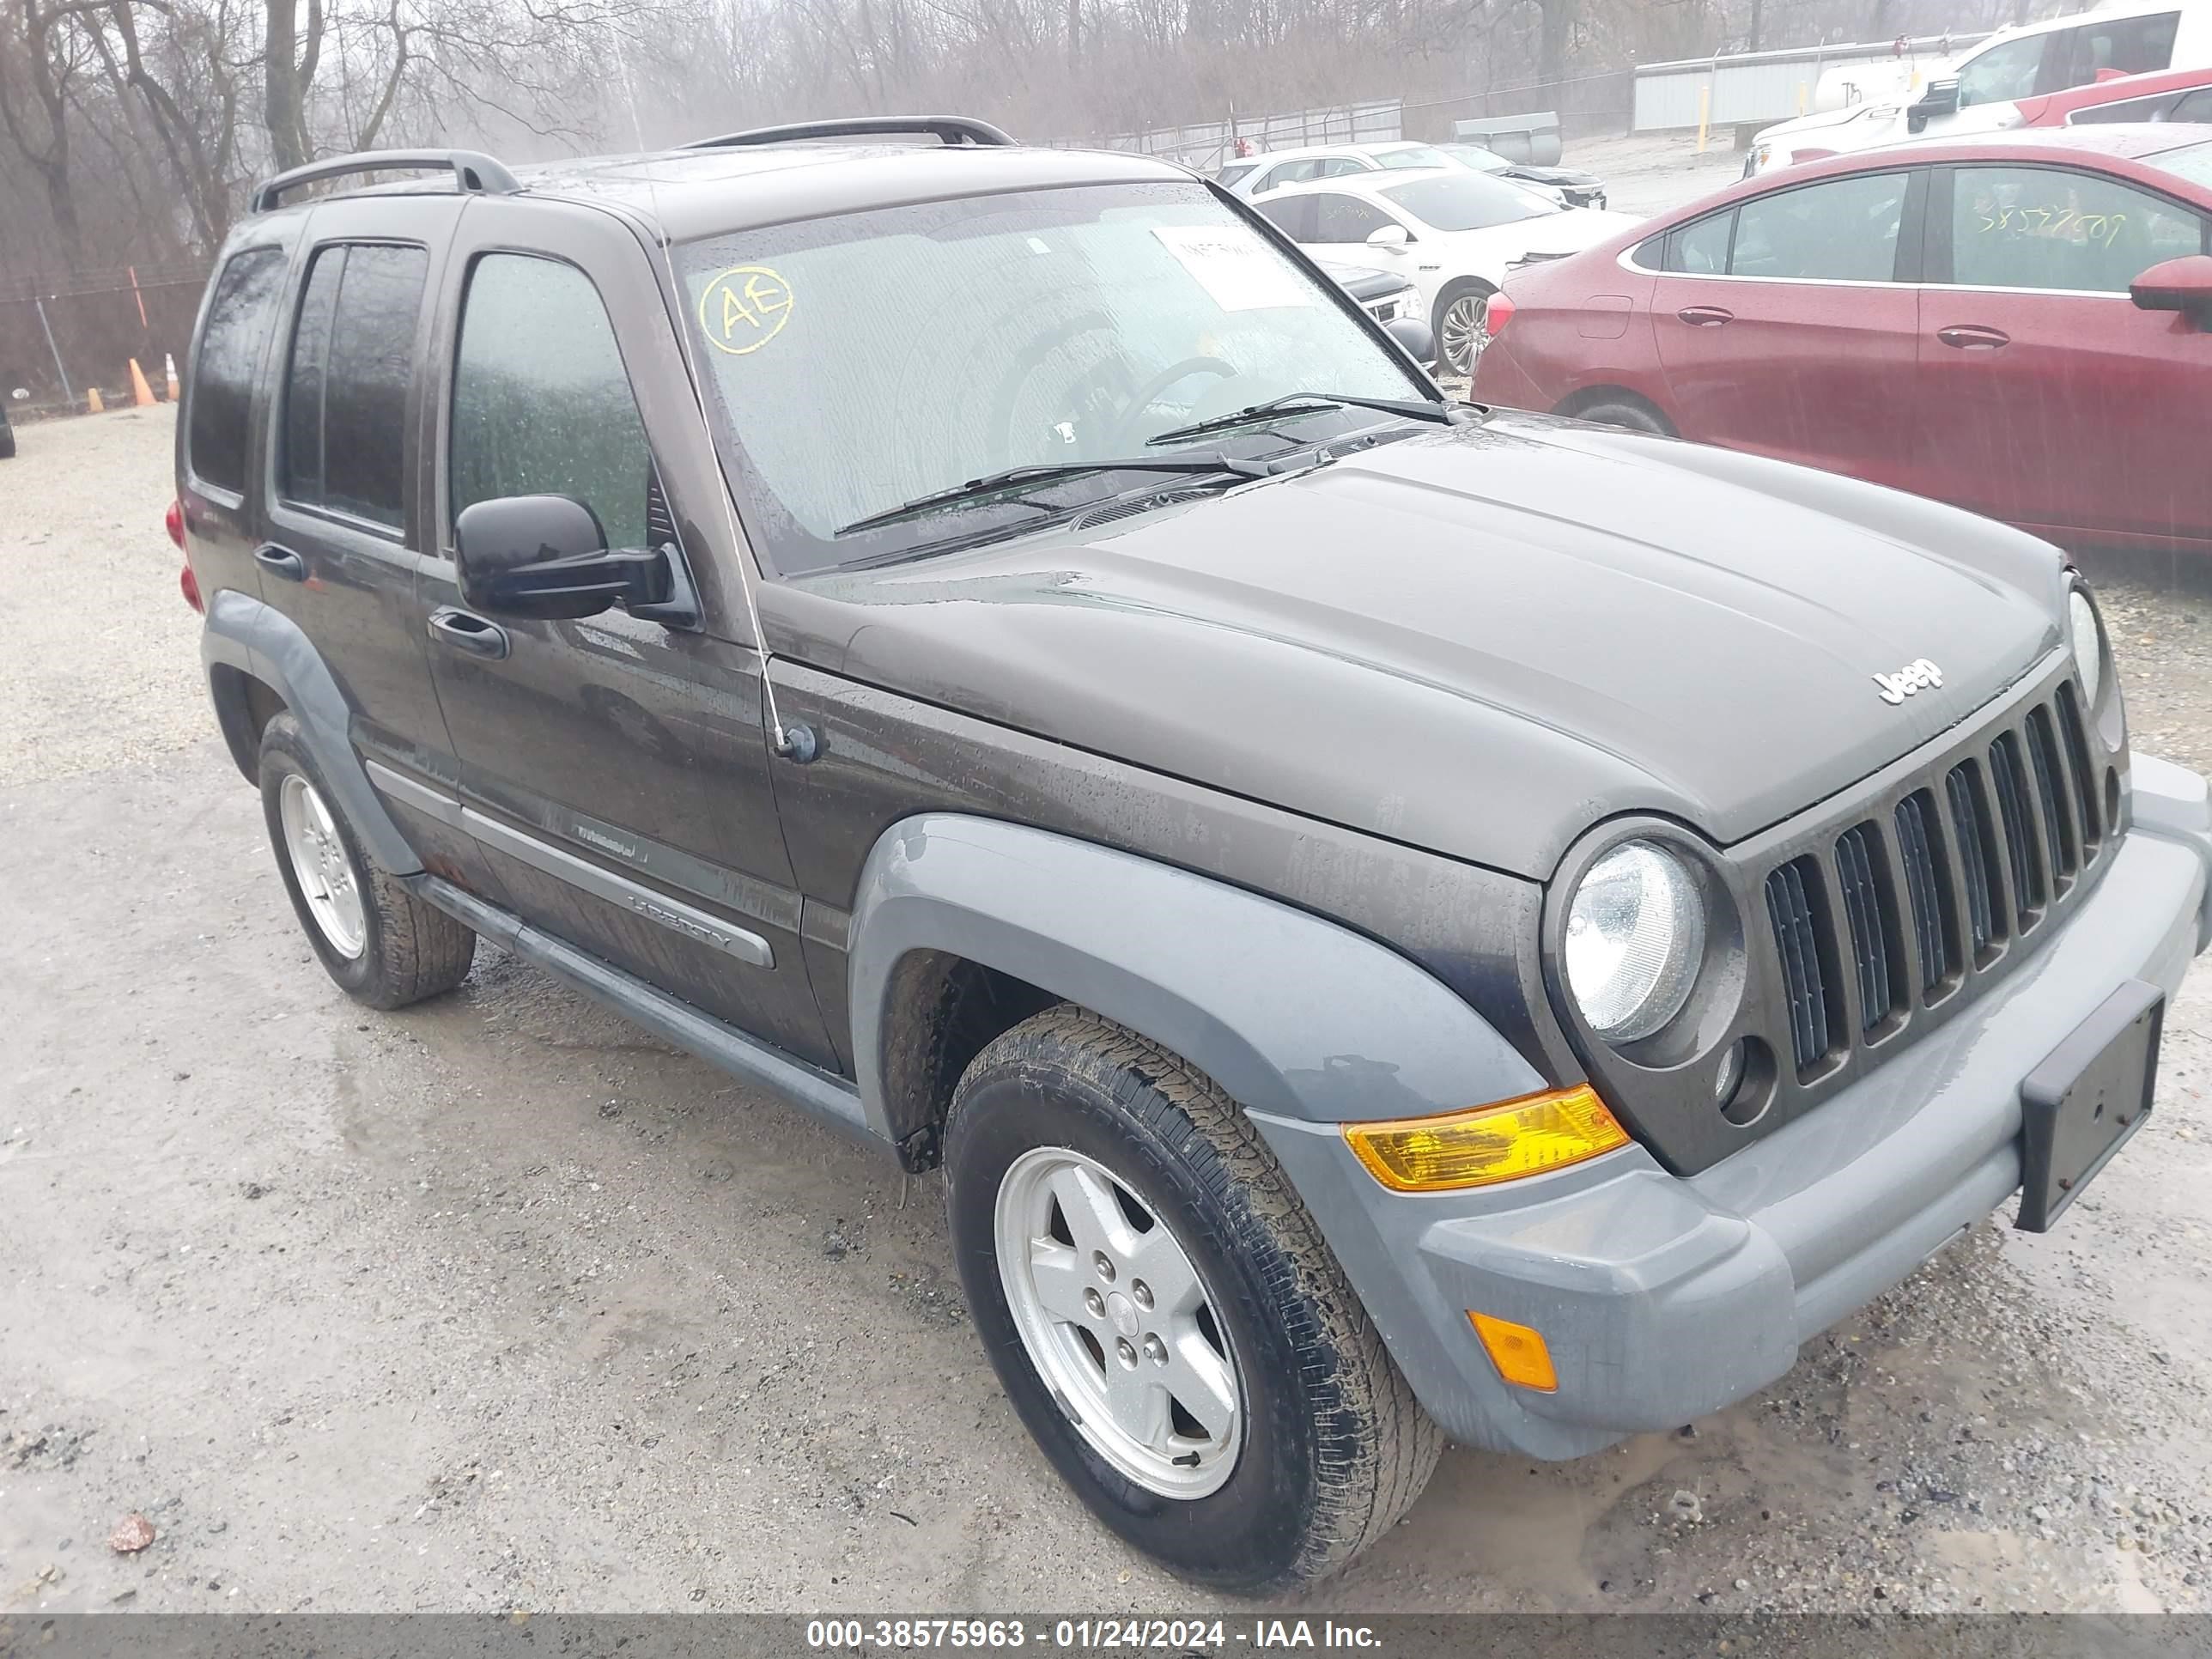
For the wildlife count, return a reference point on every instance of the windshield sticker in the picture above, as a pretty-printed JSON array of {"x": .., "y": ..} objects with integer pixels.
[
  {"x": 1241, "y": 272},
  {"x": 744, "y": 308}
]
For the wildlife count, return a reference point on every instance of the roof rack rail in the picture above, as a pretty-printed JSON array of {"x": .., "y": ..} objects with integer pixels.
[
  {"x": 472, "y": 172},
  {"x": 948, "y": 129}
]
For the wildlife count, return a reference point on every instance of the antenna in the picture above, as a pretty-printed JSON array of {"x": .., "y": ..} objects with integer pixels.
[{"x": 797, "y": 744}]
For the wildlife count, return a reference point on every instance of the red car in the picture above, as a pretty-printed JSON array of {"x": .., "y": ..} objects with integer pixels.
[
  {"x": 2167, "y": 96},
  {"x": 1951, "y": 317}
]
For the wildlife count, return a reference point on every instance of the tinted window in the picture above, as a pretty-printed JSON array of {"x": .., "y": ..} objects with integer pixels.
[
  {"x": 2120, "y": 46},
  {"x": 1649, "y": 255},
  {"x": 300, "y": 462},
  {"x": 1347, "y": 219},
  {"x": 345, "y": 385},
  {"x": 1466, "y": 201},
  {"x": 238, "y": 325},
  {"x": 1702, "y": 249},
  {"x": 1844, "y": 231},
  {"x": 533, "y": 421},
  {"x": 2003, "y": 74},
  {"x": 1293, "y": 215},
  {"x": 2046, "y": 227}
]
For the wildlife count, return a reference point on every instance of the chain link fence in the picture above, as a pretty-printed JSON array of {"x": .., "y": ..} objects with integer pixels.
[{"x": 56, "y": 346}]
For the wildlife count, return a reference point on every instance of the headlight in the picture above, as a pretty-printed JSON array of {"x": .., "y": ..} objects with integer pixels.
[
  {"x": 1636, "y": 932},
  {"x": 2089, "y": 658},
  {"x": 1413, "y": 305}
]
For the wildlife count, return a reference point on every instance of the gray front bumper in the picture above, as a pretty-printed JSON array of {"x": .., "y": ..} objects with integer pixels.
[{"x": 1663, "y": 1298}]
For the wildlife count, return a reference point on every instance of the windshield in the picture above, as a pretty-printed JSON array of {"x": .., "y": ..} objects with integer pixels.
[
  {"x": 1229, "y": 176},
  {"x": 1467, "y": 201},
  {"x": 2193, "y": 163},
  {"x": 864, "y": 360},
  {"x": 1412, "y": 155},
  {"x": 1475, "y": 156}
]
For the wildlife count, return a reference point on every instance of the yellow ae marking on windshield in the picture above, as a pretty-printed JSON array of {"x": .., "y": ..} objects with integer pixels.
[{"x": 753, "y": 303}]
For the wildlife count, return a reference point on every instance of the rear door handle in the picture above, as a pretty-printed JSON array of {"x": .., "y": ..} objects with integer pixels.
[
  {"x": 1705, "y": 316},
  {"x": 1974, "y": 336},
  {"x": 281, "y": 562},
  {"x": 465, "y": 631}
]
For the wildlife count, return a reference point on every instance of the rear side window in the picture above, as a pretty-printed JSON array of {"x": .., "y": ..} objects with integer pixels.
[
  {"x": 1843, "y": 230},
  {"x": 239, "y": 320},
  {"x": 345, "y": 385},
  {"x": 1293, "y": 215},
  {"x": 2050, "y": 227},
  {"x": 533, "y": 421}
]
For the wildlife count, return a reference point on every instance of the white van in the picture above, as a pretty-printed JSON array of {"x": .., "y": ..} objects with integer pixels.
[{"x": 1978, "y": 91}]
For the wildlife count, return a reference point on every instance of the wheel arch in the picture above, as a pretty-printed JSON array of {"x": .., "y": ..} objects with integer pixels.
[
  {"x": 963, "y": 926},
  {"x": 1591, "y": 397},
  {"x": 259, "y": 662}
]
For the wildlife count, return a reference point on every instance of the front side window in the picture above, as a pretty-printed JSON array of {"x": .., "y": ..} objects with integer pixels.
[
  {"x": 860, "y": 361},
  {"x": 2051, "y": 228},
  {"x": 238, "y": 325},
  {"x": 542, "y": 403},
  {"x": 2119, "y": 46},
  {"x": 346, "y": 380},
  {"x": 1290, "y": 173},
  {"x": 1467, "y": 201},
  {"x": 1347, "y": 219},
  {"x": 1843, "y": 230},
  {"x": 2003, "y": 74}
]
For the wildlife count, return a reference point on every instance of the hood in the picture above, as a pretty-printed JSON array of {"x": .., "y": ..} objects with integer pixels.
[
  {"x": 1363, "y": 282},
  {"x": 1480, "y": 642},
  {"x": 1876, "y": 119},
  {"x": 1556, "y": 175}
]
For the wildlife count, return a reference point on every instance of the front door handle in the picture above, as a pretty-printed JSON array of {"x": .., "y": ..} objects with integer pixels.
[
  {"x": 281, "y": 562},
  {"x": 465, "y": 631},
  {"x": 1974, "y": 336},
  {"x": 1705, "y": 316}
]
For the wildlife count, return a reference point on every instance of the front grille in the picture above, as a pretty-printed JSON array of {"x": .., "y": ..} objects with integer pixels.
[{"x": 1914, "y": 901}]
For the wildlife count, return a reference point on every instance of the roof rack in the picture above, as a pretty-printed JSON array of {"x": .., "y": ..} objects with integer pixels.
[
  {"x": 472, "y": 172},
  {"x": 949, "y": 130}
]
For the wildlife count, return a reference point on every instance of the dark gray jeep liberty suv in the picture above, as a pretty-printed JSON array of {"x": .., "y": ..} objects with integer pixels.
[{"x": 1396, "y": 920}]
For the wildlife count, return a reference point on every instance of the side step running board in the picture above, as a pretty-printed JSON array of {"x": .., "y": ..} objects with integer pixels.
[{"x": 816, "y": 1092}]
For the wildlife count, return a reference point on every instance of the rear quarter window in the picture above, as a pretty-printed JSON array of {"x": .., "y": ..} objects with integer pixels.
[{"x": 238, "y": 321}]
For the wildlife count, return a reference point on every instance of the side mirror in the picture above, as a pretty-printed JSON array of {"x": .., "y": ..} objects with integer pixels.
[
  {"x": 2184, "y": 285},
  {"x": 1391, "y": 239},
  {"x": 1418, "y": 340},
  {"x": 546, "y": 557},
  {"x": 1942, "y": 98}
]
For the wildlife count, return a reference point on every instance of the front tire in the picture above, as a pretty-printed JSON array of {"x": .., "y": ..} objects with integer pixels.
[
  {"x": 1165, "y": 1316},
  {"x": 1634, "y": 415},
  {"x": 1462, "y": 325},
  {"x": 383, "y": 946}
]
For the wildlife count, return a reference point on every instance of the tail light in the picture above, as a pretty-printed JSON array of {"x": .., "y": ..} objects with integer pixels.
[
  {"x": 187, "y": 583},
  {"x": 1497, "y": 314}
]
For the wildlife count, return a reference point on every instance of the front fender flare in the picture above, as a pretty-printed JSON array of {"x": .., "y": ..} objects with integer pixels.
[
  {"x": 256, "y": 639},
  {"x": 1291, "y": 1014}
]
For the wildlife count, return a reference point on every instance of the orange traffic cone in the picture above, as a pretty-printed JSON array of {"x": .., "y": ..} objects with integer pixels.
[
  {"x": 141, "y": 393},
  {"x": 92, "y": 403},
  {"x": 169, "y": 368}
]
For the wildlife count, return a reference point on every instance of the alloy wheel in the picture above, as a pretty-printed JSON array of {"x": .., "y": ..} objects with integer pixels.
[
  {"x": 1119, "y": 1323},
  {"x": 327, "y": 878}
]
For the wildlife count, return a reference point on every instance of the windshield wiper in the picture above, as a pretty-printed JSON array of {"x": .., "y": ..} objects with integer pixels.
[
  {"x": 1018, "y": 477},
  {"x": 1411, "y": 408}
]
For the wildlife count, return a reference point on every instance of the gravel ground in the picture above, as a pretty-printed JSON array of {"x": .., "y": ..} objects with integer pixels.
[{"x": 497, "y": 1304}]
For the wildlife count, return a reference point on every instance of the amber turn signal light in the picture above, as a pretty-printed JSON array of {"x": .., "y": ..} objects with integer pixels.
[
  {"x": 1489, "y": 1144},
  {"x": 1518, "y": 1352}
]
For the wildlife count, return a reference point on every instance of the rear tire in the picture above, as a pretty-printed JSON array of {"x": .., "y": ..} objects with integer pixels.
[
  {"x": 1624, "y": 412},
  {"x": 383, "y": 946},
  {"x": 1311, "y": 1448}
]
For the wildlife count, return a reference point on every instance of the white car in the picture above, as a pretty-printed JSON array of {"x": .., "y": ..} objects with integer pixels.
[
  {"x": 1455, "y": 232},
  {"x": 1276, "y": 169},
  {"x": 1978, "y": 92}
]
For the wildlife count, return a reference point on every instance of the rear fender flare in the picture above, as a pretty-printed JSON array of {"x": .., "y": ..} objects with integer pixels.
[{"x": 244, "y": 634}]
